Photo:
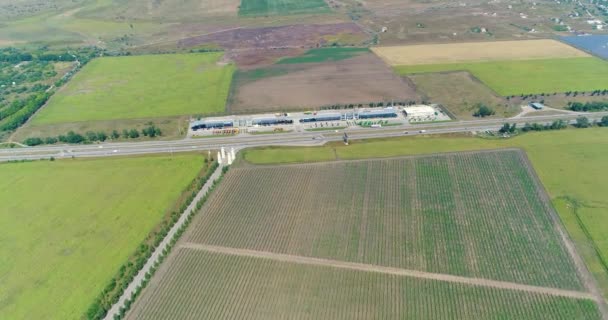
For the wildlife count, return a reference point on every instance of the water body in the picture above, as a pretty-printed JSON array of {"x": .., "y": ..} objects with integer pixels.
[{"x": 596, "y": 44}]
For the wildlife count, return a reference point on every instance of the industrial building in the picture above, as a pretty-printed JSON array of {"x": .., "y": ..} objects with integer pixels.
[
  {"x": 420, "y": 111},
  {"x": 537, "y": 106},
  {"x": 377, "y": 114},
  {"x": 211, "y": 124},
  {"x": 271, "y": 121},
  {"x": 336, "y": 116}
]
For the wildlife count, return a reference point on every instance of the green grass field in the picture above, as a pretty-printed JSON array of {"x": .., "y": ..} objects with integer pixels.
[
  {"x": 281, "y": 7},
  {"x": 325, "y": 55},
  {"x": 529, "y": 76},
  {"x": 141, "y": 87},
  {"x": 570, "y": 163},
  {"x": 221, "y": 286},
  {"x": 67, "y": 226}
]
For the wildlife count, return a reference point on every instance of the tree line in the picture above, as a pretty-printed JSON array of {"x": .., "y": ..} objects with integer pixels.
[
  {"x": 91, "y": 136},
  {"x": 588, "y": 106},
  {"x": 581, "y": 122},
  {"x": 15, "y": 118}
]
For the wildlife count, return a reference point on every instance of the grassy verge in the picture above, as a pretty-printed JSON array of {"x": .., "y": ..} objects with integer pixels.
[{"x": 326, "y": 129}]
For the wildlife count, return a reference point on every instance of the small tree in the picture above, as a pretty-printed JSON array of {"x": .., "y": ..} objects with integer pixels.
[
  {"x": 604, "y": 121},
  {"x": 133, "y": 134},
  {"x": 102, "y": 136},
  {"x": 582, "y": 122},
  {"x": 483, "y": 111}
]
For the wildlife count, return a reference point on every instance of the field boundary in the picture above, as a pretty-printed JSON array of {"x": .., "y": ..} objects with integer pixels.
[
  {"x": 389, "y": 270},
  {"x": 586, "y": 276}
]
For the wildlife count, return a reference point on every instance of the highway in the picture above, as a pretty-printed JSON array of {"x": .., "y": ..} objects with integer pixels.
[{"x": 299, "y": 138}]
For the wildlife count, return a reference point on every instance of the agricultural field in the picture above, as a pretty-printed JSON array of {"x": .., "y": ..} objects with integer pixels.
[
  {"x": 281, "y": 7},
  {"x": 59, "y": 251},
  {"x": 358, "y": 207},
  {"x": 358, "y": 226},
  {"x": 514, "y": 77},
  {"x": 362, "y": 78},
  {"x": 260, "y": 46},
  {"x": 596, "y": 44},
  {"x": 476, "y": 52},
  {"x": 325, "y": 55},
  {"x": 576, "y": 190},
  {"x": 142, "y": 87},
  {"x": 220, "y": 286},
  {"x": 461, "y": 93},
  {"x": 172, "y": 10}
]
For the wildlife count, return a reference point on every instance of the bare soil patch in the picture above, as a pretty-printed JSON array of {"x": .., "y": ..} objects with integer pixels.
[
  {"x": 357, "y": 80},
  {"x": 256, "y": 46}
]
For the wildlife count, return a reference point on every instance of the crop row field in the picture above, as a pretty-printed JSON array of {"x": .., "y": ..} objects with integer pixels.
[
  {"x": 67, "y": 226},
  {"x": 198, "y": 284},
  {"x": 577, "y": 191},
  {"x": 281, "y": 7},
  {"x": 477, "y": 52},
  {"x": 137, "y": 87},
  {"x": 516, "y": 77},
  {"x": 475, "y": 215}
]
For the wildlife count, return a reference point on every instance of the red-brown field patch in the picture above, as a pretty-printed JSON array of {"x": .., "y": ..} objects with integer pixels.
[
  {"x": 361, "y": 79},
  {"x": 255, "y": 46}
]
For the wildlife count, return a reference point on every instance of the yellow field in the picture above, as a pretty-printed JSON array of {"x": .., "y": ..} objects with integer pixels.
[{"x": 477, "y": 51}]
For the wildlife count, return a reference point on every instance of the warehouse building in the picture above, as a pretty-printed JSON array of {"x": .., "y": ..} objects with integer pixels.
[
  {"x": 378, "y": 114},
  {"x": 211, "y": 124},
  {"x": 420, "y": 111},
  {"x": 322, "y": 117},
  {"x": 271, "y": 121}
]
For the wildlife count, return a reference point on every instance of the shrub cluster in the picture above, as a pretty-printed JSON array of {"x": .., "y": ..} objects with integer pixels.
[
  {"x": 483, "y": 111},
  {"x": 588, "y": 106}
]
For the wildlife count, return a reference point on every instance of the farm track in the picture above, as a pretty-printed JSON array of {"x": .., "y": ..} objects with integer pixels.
[{"x": 391, "y": 271}]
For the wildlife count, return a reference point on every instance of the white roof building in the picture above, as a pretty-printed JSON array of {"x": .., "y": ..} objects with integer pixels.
[{"x": 420, "y": 111}]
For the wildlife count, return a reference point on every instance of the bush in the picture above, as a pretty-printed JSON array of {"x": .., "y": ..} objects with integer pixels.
[
  {"x": 33, "y": 141},
  {"x": 483, "y": 111}
]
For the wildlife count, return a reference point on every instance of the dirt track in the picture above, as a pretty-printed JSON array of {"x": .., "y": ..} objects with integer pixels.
[{"x": 392, "y": 271}]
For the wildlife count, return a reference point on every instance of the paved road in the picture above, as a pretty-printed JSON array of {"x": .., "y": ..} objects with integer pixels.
[{"x": 304, "y": 138}]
